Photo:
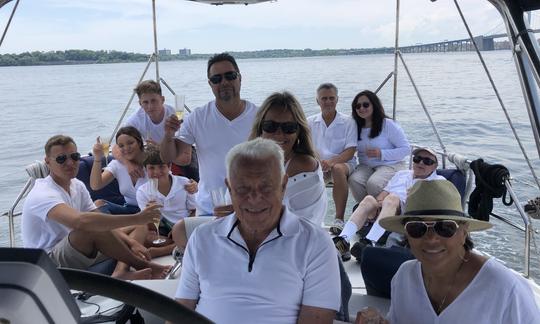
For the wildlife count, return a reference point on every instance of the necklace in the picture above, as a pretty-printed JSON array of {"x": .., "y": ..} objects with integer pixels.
[{"x": 441, "y": 304}]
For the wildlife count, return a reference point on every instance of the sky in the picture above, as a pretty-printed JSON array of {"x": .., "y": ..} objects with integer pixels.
[{"x": 126, "y": 25}]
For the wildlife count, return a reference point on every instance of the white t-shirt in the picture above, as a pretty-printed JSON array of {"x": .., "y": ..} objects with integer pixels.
[
  {"x": 214, "y": 135},
  {"x": 495, "y": 295},
  {"x": 295, "y": 265},
  {"x": 127, "y": 189},
  {"x": 38, "y": 231},
  {"x": 177, "y": 203},
  {"x": 146, "y": 126},
  {"x": 331, "y": 141},
  {"x": 403, "y": 180},
  {"x": 305, "y": 196},
  {"x": 391, "y": 141}
]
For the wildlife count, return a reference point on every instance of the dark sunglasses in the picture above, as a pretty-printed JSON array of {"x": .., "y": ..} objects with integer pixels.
[
  {"x": 271, "y": 126},
  {"x": 425, "y": 160},
  {"x": 443, "y": 228},
  {"x": 229, "y": 76},
  {"x": 60, "y": 159},
  {"x": 362, "y": 105}
]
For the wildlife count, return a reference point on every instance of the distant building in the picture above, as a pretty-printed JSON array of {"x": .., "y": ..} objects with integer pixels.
[
  {"x": 184, "y": 52},
  {"x": 164, "y": 52}
]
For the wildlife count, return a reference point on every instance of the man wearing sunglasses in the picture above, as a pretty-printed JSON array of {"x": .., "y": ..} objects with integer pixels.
[
  {"x": 60, "y": 218},
  {"x": 214, "y": 128},
  {"x": 335, "y": 137},
  {"x": 390, "y": 201}
]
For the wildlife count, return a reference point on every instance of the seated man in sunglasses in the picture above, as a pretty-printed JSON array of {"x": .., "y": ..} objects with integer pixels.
[
  {"x": 214, "y": 128},
  {"x": 391, "y": 200},
  {"x": 335, "y": 137},
  {"x": 59, "y": 217}
]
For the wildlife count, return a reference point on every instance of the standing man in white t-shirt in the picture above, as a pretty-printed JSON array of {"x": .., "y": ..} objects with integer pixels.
[
  {"x": 59, "y": 217},
  {"x": 335, "y": 136},
  {"x": 214, "y": 128}
]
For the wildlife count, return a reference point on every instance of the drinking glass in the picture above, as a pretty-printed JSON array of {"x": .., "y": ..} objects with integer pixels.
[
  {"x": 220, "y": 197},
  {"x": 179, "y": 101},
  {"x": 153, "y": 195},
  {"x": 106, "y": 144}
]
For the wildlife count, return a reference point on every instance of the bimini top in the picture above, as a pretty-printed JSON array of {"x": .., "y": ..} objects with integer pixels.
[{"x": 224, "y": 2}]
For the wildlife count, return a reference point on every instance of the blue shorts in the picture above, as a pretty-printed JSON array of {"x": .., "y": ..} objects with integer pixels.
[{"x": 115, "y": 209}]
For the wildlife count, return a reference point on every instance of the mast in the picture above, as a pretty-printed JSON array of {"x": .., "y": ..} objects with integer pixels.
[{"x": 156, "y": 54}]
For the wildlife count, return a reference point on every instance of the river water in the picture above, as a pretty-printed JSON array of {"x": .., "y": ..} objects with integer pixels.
[{"x": 84, "y": 101}]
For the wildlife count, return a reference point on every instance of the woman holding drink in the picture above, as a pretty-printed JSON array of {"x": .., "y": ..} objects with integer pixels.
[
  {"x": 130, "y": 143},
  {"x": 382, "y": 146}
]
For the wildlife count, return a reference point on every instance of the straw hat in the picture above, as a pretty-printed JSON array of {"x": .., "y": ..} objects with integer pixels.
[{"x": 437, "y": 199}]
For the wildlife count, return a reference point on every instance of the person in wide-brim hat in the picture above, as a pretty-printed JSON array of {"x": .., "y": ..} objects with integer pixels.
[
  {"x": 448, "y": 282},
  {"x": 434, "y": 200}
]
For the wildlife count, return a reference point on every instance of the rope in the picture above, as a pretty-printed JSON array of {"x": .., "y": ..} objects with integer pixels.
[{"x": 489, "y": 180}]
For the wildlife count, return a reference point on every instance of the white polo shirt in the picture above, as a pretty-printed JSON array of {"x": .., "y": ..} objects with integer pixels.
[
  {"x": 40, "y": 232},
  {"x": 146, "y": 126},
  {"x": 295, "y": 265},
  {"x": 177, "y": 203},
  {"x": 125, "y": 185},
  {"x": 214, "y": 135},
  {"x": 403, "y": 180},
  {"x": 332, "y": 140}
]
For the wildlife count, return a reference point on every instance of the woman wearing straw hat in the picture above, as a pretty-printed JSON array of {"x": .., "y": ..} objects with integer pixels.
[{"x": 449, "y": 283}]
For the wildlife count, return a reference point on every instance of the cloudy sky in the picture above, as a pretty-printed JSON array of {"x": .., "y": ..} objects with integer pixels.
[{"x": 126, "y": 25}]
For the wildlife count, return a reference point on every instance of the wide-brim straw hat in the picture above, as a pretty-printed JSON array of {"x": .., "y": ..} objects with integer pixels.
[{"x": 436, "y": 199}]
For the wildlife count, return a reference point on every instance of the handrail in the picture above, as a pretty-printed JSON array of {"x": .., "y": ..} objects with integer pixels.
[{"x": 11, "y": 212}]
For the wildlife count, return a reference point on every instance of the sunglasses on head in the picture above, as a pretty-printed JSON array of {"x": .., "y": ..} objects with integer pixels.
[
  {"x": 362, "y": 105},
  {"x": 271, "y": 126},
  {"x": 60, "y": 159},
  {"x": 425, "y": 160},
  {"x": 229, "y": 76},
  {"x": 443, "y": 228}
]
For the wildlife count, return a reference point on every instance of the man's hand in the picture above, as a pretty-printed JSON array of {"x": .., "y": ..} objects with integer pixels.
[
  {"x": 191, "y": 187},
  {"x": 150, "y": 214},
  {"x": 139, "y": 250},
  {"x": 172, "y": 125}
]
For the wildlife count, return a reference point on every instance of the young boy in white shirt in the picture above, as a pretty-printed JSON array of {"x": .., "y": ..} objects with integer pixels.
[{"x": 171, "y": 194}]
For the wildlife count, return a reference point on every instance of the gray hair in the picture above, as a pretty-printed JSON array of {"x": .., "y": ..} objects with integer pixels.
[
  {"x": 327, "y": 85},
  {"x": 256, "y": 149}
]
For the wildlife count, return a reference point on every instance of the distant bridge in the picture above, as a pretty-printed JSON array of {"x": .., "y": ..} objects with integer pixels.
[{"x": 484, "y": 43}]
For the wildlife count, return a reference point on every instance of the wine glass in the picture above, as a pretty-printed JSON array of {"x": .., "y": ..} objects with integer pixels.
[
  {"x": 106, "y": 144},
  {"x": 179, "y": 101},
  {"x": 153, "y": 194}
]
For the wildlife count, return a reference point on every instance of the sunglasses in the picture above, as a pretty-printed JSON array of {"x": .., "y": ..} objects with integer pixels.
[
  {"x": 443, "y": 228},
  {"x": 229, "y": 76},
  {"x": 425, "y": 160},
  {"x": 364, "y": 105},
  {"x": 60, "y": 159},
  {"x": 270, "y": 126}
]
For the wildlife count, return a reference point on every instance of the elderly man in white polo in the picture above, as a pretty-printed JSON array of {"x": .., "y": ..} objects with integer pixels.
[{"x": 261, "y": 264}]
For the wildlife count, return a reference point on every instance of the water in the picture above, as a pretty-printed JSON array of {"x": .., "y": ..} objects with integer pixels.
[{"x": 87, "y": 100}]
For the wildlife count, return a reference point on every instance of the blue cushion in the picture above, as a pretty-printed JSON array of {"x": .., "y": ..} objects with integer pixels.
[
  {"x": 110, "y": 192},
  {"x": 456, "y": 177}
]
